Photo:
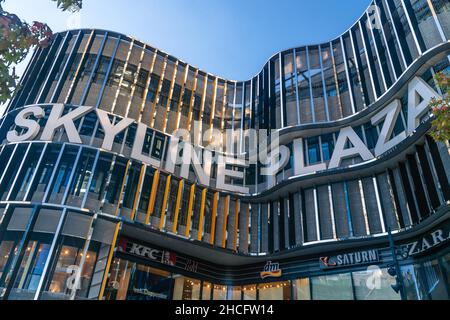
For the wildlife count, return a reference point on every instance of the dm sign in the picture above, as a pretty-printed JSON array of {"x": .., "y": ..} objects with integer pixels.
[
  {"x": 349, "y": 259},
  {"x": 271, "y": 269}
]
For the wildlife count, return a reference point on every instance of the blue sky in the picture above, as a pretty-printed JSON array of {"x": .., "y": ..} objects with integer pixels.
[{"x": 229, "y": 38}]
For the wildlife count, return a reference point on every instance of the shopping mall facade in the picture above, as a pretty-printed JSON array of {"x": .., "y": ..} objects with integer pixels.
[{"x": 92, "y": 205}]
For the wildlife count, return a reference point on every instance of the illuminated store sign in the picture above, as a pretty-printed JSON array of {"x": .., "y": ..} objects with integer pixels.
[
  {"x": 349, "y": 259},
  {"x": 271, "y": 269},
  {"x": 164, "y": 257},
  {"x": 420, "y": 94}
]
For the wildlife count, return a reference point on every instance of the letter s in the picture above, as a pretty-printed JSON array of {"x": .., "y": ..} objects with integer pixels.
[{"x": 22, "y": 121}]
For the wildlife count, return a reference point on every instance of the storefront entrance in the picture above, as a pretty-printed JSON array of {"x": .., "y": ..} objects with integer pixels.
[{"x": 133, "y": 281}]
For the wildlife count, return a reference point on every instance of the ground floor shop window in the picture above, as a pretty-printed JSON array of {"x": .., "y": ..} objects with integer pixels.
[
  {"x": 249, "y": 292},
  {"x": 446, "y": 268},
  {"x": 332, "y": 287},
  {"x": 435, "y": 281},
  {"x": 374, "y": 284},
  {"x": 8, "y": 249},
  {"x": 70, "y": 262},
  {"x": 234, "y": 293},
  {"x": 147, "y": 283},
  {"x": 206, "y": 291},
  {"x": 220, "y": 292},
  {"x": 414, "y": 287},
  {"x": 31, "y": 269},
  {"x": 132, "y": 281},
  {"x": 301, "y": 289},
  {"x": 275, "y": 291},
  {"x": 424, "y": 281},
  {"x": 186, "y": 288}
]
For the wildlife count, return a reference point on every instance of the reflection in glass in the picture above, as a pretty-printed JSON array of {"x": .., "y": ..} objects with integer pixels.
[
  {"x": 220, "y": 292},
  {"x": 332, "y": 287},
  {"x": 249, "y": 292},
  {"x": 30, "y": 271},
  {"x": 206, "y": 291},
  {"x": 275, "y": 291},
  {"x": 186, "y": 288},
  {"x": 301, "y": 289},
  {"x": 374, "y": 284}
]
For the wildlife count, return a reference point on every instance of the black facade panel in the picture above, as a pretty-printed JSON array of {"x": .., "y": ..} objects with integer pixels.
[
  {"x": 291, "y": 221},
  {"x": 340, "y": 211},
  {"x": 428, "y": 177},
  {"x": 419, "y": 191},
  {"x": 408, "y": 193},
  {"x": 437, "y": 161},
  {"x": 396, "y": 198},
  {"x": 326, "y": 225}
]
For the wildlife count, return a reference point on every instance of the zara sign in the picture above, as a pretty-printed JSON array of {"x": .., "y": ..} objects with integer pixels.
[{"x": 419, "y": 96}]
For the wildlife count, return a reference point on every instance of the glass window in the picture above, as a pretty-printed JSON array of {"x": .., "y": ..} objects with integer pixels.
[
  {"x": 10, "y": 175},
  {"x": 303, "y": 80},
  {"x": 445, "y": 266},
  {"x": 341, "y": 78},
  {"x": 63, "y": 282},
  {"x": 81, "y": 178},
  {"x": 61, "y": 179},
  {"x": 196, "y": 210},
  {"x": 158, "y": 146},
  {"x": 30, "y": 270},
  {"x": 275, "y": 66},
  {"x": 436, "y": 287},
  {"x": 220, "y": 292},
  {"x": 355, "y": 82},
  {"x": 315, "y": 72},
  {"x": 234, "y": 293},
  {"x": 313, "y": 150},
  {"x": 414, "y": 286},
  {"x": 334, "y": 106},
  {"x": 364, "y": 71},
  {"x": 186, "y": 288},
  {"x": 160, "y": 197},
  {"x": 131, "y": 189},
  {"x": 332, "y": 287},
  {"x": 172, "y": 202},
  {"x": 207, "y": 215},
  {"x": 301, "y": 289},
  {"x": 391, "y": 39},
  {"x": 327, "y": 146},
  {"x": 8, "y": 250},
  {"x": 404, "y": 32},
  {"x": 148, "y": 283},
  {"x": 386, "y": 67},
  {"x": 374, "y": 284},
  {"x": 275, "y": 291},
  {"x": 249, "y": 292},
  {"x": 115, "y": 184},
  {"x": 371, "y": 135},
  {"x": 424, "y": 23},
  {"x": 35, "y": 254},
  {"x": 289, "y": 86},
  {"x": 442, "y": 8},
  {"x": 117, "y": 286},
  {"x": 99, "y": 180},
  {"x": 153, "y": 86},
  {"x": 26, "y": 173},
  {"x": 145, "y": 194},
  {"x": 88, "y": 125},
  {"x": 206, "y": 292},
  {"x": 373, "y": 61}
]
